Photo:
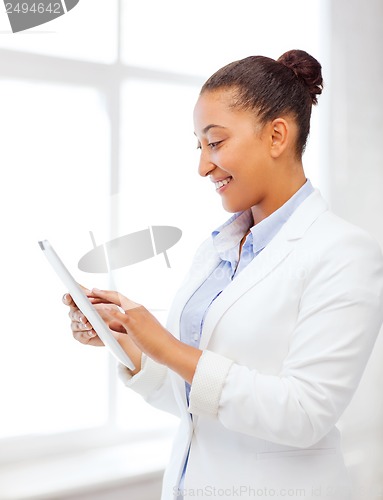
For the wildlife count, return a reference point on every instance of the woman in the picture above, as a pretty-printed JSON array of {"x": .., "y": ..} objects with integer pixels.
[{"x": 270, "y": 332}]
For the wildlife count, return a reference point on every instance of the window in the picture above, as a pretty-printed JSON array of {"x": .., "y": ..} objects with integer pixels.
[
  {"x": 97, "y": 135},
  {"x": 55, "y": 140}
]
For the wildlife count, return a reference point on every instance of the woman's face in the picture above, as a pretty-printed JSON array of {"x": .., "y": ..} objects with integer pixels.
[{"x": 235, "y": 149}]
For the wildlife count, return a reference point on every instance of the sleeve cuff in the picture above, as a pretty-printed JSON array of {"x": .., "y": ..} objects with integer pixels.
[
  {"x": 207, "y": 384},
  {"x": 151, "y": 376}
]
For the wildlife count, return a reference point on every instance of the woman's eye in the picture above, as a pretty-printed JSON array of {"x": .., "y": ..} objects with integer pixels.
[{"x": 211, "y": 145}]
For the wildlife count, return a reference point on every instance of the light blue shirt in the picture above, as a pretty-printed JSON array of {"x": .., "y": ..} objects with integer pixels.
[{"x": 226, "y": 240}]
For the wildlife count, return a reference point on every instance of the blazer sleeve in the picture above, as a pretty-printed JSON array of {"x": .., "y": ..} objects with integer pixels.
[
  {"x": 340, "y": 314},
  {"x": 153, "y": 383}
]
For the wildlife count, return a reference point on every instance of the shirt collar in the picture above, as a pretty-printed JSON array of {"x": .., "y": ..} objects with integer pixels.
[{"x": 227, "y": 237}]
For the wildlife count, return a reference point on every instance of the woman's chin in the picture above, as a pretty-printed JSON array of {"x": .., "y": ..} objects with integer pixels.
[{"x": 233, "y": 206}]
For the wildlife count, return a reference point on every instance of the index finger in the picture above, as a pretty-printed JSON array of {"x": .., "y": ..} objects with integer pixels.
[{"x": 114, "y": 298}]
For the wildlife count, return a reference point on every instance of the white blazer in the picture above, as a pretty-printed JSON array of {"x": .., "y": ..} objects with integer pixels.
[{"x": 284, "y": 347}]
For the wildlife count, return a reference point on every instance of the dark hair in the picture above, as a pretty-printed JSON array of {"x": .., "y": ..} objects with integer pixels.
[{"x": 289, "y": 85}]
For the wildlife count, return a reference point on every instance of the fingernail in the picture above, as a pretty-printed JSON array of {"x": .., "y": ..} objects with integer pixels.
[{"x": 91, "y": 334}]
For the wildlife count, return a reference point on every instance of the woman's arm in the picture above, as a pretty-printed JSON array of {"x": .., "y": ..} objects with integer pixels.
[
  {"x": 148, "y": 335},
  {"x": 150, "y": 379}
]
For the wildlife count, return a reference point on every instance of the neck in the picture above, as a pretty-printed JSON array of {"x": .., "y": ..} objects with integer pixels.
[{"x": 281, "y": 189}]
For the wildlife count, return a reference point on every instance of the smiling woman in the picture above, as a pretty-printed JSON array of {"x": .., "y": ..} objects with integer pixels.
[
  {"x": 110, "y": 99},
  {"x": 280, "y": 114},
  {"x": 269, "y": 334}
]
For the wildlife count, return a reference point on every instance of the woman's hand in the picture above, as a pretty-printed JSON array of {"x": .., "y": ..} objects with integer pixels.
[
  {"x": 148, "y": 334},
  {"x": 83, "y": 332},
  {"x": 81, "y": 328}
]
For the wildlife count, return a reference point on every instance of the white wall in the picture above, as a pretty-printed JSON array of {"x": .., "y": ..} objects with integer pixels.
[{"x": 356, "y": 193}]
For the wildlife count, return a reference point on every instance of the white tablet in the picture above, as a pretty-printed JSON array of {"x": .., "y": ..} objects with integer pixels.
[{"x": 85, "y": 306}]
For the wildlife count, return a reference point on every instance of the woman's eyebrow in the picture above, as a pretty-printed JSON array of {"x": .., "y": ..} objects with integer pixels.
[{"x": 208, "y": 127}]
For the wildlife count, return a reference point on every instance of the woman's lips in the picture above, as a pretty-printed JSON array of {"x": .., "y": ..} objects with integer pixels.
[{"x": 220, "y": 184}]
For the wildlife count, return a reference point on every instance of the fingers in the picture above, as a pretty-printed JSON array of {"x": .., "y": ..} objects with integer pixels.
[
  {"x": 80, "y": 325},
  {"x": 79, "y": 322},
  {"x": 86, "y": 337},
  {"x": 81, "y": 328},
  {"x": 104, "y": 311},
  {"x": 112, "y": 297},
  {"x": 74, "y": 312},
  {"x": 67, "y": 299},
  {"x": 84, "y": 289}
]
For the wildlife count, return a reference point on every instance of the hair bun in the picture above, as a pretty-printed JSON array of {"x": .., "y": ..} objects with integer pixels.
[{"x": 306, "y": 68}]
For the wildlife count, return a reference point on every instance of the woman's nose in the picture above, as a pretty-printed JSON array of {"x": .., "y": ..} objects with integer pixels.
[{"x": 205, "y": 164}]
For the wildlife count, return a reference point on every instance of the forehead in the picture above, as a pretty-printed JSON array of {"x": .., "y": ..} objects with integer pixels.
[
  {"x": 218, "y": 103},
  {"x": 217, "y": 107}
]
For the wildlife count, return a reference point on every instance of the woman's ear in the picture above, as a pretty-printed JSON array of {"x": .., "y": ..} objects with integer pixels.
[{"x": 280, "y": 136}]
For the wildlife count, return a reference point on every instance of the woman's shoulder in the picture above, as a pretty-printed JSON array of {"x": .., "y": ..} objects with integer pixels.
[{"x": 336, "y": 235}]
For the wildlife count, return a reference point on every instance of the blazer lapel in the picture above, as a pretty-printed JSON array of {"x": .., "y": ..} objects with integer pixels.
[{"x": 274, "y": 253}]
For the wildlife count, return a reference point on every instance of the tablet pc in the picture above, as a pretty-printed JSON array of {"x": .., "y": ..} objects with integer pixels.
[{"x": 85, "y": 306}]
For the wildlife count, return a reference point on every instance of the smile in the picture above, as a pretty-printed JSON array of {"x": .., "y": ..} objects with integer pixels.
[{"x": 219, "y": 184}]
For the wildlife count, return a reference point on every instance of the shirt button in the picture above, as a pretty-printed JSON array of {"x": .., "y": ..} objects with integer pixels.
[{"x": 195, "y": 337}]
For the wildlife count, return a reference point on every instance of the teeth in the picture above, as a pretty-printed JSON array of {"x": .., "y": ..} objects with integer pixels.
[{"x": 222, "y": 183}]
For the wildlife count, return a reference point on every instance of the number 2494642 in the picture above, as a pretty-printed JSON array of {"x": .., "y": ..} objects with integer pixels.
[{"x": 34, "y": 8}]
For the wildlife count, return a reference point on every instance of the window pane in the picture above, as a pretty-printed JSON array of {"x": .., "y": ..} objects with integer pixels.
[
  {"x": 88, "y": 32},
  {"x": 54, "y": 155},
  {"x": 199, "y": 37}
]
